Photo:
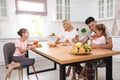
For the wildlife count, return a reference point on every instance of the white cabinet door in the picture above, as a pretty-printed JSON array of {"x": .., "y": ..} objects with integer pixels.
[
  {"x": 116, "y": 46},
  {"x": 2, "y": 42},
  {"x": 3, "y": 9},
  {"x": 81, "y": 9},
  {"x": 117, "y": 9},
  {"x": 62, "y": 10},
  {"x": 108, "y": 9}
]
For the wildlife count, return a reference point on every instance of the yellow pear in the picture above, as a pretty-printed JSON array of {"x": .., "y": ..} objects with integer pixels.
[
  {"x": 78, "y": 45},
  {"x": 74, "y": 49}
]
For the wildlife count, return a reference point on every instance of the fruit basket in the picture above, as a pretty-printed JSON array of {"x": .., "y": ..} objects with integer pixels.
[{"x": 81, "y": 49}]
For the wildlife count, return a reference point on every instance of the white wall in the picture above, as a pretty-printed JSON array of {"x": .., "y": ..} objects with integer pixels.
[
  {"x": 110, "y": 25},
  {"x": 10, "y": 26}
]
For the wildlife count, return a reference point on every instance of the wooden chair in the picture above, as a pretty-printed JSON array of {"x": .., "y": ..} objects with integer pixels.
[{"x": 9, "y": 49}]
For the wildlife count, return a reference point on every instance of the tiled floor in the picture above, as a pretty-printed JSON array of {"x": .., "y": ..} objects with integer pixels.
[{"x": 54, "y": 75}]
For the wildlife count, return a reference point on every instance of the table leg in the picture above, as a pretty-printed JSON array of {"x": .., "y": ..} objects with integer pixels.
[
  {"x": 49, "y": 69},
  {"x": 62, "y": 72},
  {"x": 108, "y": 61}
]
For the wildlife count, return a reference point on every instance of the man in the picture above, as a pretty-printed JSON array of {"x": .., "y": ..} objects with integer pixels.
[{"x": 91, "y": 23}]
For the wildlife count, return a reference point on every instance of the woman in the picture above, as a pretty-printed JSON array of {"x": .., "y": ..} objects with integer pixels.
[{"x": 69, "y": 35}]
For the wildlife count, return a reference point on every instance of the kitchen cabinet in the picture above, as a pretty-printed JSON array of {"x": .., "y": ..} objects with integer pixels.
[
  {"x": 74, "y": 10},
  {"x": 3, "y": 9},
  {"x": 81, "y": 9},
  {"x": 117, "y": 9},
  {"x": 62, "y": 10},
  {"x": 116, "y": 46},
  {"x": 108, "y": 9}
]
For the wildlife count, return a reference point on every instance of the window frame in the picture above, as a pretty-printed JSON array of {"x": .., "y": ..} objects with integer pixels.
[{"x": 32, "y": 12}]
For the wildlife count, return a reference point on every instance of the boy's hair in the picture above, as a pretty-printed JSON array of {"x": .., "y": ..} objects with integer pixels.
[
  {"x": 100, "y": 27},
  {"x": 89, "y": 20}
]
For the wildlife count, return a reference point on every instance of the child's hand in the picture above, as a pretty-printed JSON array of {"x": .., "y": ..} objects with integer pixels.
[{"x": 32, "y": 47}]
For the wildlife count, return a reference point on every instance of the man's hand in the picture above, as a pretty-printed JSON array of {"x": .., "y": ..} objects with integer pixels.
[{"x": 94, "y": 46}]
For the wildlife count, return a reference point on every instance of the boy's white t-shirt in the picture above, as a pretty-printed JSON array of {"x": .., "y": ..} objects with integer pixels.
[{"x": 67, "y": 35}]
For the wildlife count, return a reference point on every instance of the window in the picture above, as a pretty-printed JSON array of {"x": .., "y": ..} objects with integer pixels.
[
  {"x": 35, "y": 7},
  {"x": 33, "y": 23}
]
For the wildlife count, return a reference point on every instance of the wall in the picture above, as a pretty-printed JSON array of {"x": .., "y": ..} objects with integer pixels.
[
  {"x": 10, "y": 26},
  {"x": 113, "y": 25}
]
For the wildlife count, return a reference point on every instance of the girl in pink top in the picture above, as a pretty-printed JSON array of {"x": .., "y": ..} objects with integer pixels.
[
  {"x": 99, "y": 37},
  {"x": 21, "y": 45}
]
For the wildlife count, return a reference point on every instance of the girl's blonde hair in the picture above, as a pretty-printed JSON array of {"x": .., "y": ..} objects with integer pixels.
[{"x": 69, "y": 24}]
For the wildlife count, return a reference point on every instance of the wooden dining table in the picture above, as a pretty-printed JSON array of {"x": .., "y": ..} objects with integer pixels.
[{"x": 63, "y": 56}]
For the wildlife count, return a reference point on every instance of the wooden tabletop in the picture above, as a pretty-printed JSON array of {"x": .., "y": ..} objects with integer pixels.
[{"x": 63, "y": 55}]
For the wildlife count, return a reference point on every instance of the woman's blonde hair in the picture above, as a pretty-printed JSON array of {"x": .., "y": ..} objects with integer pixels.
[{"x": 69, "y": 24}]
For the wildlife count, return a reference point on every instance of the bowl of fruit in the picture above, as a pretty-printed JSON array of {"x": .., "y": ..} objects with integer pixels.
[{"x": 79, "y": 48}]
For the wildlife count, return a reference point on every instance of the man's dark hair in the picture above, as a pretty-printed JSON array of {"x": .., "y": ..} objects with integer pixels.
[{"x": 89, "y": 20}]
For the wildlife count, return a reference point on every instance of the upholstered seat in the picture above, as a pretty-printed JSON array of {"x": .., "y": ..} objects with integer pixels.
[{"x": 9, "y": 49}]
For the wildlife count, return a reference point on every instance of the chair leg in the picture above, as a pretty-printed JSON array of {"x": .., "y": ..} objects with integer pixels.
[
  {"x": 96, "y": 71},
  {"x": 6, "y": 77},
  {"x": 35, "y": 72},
  {"x": 19, "y": 73},
  {"x": 22, "y": 74}
]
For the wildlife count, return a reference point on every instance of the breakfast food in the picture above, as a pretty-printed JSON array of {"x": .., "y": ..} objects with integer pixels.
[
  {"x": 52, "y": 44},
  {"x": 79, "y": 48}
]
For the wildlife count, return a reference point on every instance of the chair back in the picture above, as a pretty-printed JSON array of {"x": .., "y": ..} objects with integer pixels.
[{"x": 8, "y": 49}]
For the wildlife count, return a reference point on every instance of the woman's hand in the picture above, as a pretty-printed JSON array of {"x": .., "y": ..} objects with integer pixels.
[{"x": 76, "y": 39}]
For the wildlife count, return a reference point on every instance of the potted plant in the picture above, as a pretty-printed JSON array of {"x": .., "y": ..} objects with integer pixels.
[{"x": 83, "y": 30}]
